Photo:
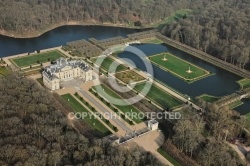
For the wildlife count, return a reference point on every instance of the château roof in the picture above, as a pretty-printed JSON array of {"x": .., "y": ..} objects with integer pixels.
[{"x": 61, "y": 63}]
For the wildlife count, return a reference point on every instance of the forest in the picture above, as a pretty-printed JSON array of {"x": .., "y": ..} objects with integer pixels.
[
  {"x": 33, "y": 130},
  {"x": 26, "y": 15},
  {"x": 204, "y": 137},
  {"x": 220, "y": 29}
]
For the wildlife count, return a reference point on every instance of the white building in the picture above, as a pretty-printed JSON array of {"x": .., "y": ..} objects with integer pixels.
[
  {"x": 64, "y": 70},
  {"x": 153, "y": 124}
]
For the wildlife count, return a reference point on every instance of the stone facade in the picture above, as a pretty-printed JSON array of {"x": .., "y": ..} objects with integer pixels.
[
  {"x": 64, "y": 70},
  {"x": 153, "y": 124}
]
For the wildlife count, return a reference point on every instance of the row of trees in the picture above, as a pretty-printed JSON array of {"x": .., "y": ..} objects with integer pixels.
[
  {"x": 34, "y": 131},
  {"x": 221, "y": 28}
]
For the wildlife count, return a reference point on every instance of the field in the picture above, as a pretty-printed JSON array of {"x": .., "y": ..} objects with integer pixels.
[
  {"x": 244, "y": 83},
  {"x": 127, "y": 108},
  {"x": 179, "y": 67},
  {"x": 35, "y": 58},
  {"x": 209, "y": 98},
  {"x": 109, "y": 64},
  {"x": 129, "y": 76},
  {"x": 159, "y": 96},
  {"x": 93, "y": 122}
]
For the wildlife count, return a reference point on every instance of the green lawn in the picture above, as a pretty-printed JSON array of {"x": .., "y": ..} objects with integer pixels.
[
  {"x": 179, "y": 67},
  {"x": 109, "y": 64},
  {"x": 34, "y": 58},
  {"x": 129, "y": 76},
  {"x": 94, "y": 110},
  {"x": 168, "y": 157},
  {"x": 244, "y": 83},
  {"x": 106, "y": 93},
  {"x": 235, "y": 104},
  {"x": 209, "y": 98},
  {"x": 4, "y": 71},
  {"x": 159, "y": 96},
  {"x": 152, "y": 40},
  {"x": 93, "y": 122}
]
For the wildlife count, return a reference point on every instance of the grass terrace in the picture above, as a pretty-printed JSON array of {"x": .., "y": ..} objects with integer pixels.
[
  {"x": 129, "y": 76},
  {"x": 94, "y": 110},
  {"x": 159, "y": 96},
  {"x": 93, "y": 122},
  {"x": 235, "y": 104},
  {"x": 152, "y": 40},
  {"x": 209, "y": 98},
  {"x": 32, "y": 59},
  {"x": 109, "y": 64},
  {"x": 168, "y": 157},
  {"x": 123, "y": 105},
  {"x": 179, "y": 67},
  {"x": 4, "y": 71},
  {"x": 244, "y": 83}
]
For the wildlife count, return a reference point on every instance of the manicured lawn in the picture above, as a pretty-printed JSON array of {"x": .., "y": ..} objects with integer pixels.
[
  {"x": 235, "y": 104},
  {"x": 129, "y": 76},
  {"x": 122, "y": 104},
  {"x": 159, "y": 96},
  {"x": 4, "y": 71},
  {"x": 93, "y": 122},
  {"x": 40, "y": 57},
  {"x": 94, "y": 110},
  {"x": 209, "y": 98},
  {"x": 168, "y": 157},
  {"x": 179, "y": 67},
  {"x": 152, "y": 40},
  {"x": 245, "y": 83},
  {"x": 109, "y": 64}
]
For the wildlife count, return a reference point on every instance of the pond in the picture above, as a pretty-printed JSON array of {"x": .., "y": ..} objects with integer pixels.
[{"x": 221, "y": 83}]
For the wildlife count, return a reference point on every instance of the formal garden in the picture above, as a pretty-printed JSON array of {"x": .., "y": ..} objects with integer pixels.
[{"x": 129, "y": 76}]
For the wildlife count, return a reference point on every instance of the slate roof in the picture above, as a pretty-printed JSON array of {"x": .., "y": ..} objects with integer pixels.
[{"x": 60, "y": 64}]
